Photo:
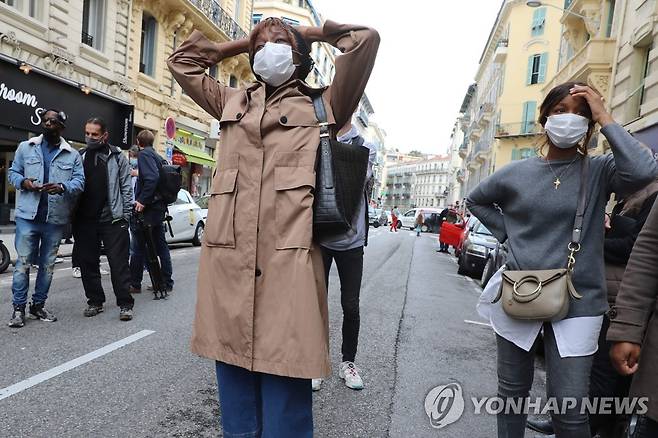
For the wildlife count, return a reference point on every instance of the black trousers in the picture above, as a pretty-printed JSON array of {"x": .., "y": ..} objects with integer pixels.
[
  {"x": 116, "y": 240},
  {"x": 606, "y": 382},
  {"x": 350, "y": 272}
]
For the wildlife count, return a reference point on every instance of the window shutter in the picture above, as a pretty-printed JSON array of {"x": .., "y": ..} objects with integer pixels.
[
  {"x": 538, "y": 21},
  {"x": 515, "y": 154},
  {"x": 543, "y": 66},
  {"x": 529, "y": 79},
  {"x": 531, "y": 109}
]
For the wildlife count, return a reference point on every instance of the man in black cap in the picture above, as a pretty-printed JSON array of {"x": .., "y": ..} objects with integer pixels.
[{"x": 48, "y": 172}]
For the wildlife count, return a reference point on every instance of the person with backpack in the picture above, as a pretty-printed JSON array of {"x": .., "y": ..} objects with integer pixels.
[
  {"x": 150, "y": 202},
  {"x": 101, "y": 218}
]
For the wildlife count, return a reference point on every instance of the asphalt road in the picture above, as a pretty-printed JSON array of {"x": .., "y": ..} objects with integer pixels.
[{"x": 419, "y": 329}]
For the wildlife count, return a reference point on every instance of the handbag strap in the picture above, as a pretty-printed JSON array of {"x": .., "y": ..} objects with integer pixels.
[
  {"x": 326, "y": 171},
  {"x": 582, "y": 200},
  {"x": 321, "y": 114}
]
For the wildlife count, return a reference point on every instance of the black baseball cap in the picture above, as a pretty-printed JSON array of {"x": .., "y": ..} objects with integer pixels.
[{"x": 61, "y": 115}]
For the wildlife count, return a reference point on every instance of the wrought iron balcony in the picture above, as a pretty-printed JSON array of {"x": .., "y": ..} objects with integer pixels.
[
  {"x": 221, "y": 19},
  {"x": 518, "y": 129}
]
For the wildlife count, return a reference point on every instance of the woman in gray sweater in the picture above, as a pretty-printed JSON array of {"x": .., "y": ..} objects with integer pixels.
[{"x": 532, "y": 203}]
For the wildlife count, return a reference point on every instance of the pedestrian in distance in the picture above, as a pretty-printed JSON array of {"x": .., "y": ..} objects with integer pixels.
[
  {"x": 532, "y": 204},
  {"x": 153, "y": 209},
  {"x": 420, "y": 221},
  {"x": 634, "y": 326},
  {"x": 48, "y": 172},
  {"x": 394, "y": 219},
  {"x": 261, "y": 310},
  {"x": 347, "y": 250},
  {"x": 102, "y": 219}
]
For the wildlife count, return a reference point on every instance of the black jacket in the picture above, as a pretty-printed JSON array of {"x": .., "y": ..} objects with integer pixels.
[{"x": 148, "y": 166}]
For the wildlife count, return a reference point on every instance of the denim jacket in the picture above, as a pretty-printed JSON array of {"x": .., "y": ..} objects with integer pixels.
[{"x": 65, "y": 168}]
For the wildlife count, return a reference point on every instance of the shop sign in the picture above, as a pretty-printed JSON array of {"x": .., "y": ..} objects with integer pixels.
[
  {"x": 24, "y": 98},
  {"x": 179, "y": 159}
]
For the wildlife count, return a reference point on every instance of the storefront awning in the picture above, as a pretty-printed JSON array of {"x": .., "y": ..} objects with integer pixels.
[{"x": 195, "y": 155}]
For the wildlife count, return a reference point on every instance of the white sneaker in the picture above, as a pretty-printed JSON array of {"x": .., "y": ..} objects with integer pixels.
[
  {"x": 350, "y": 374},
  {"x": 316, "y": 384},
  {"x": 76, "y": 272},
  {"x": 104, "y": 272}
]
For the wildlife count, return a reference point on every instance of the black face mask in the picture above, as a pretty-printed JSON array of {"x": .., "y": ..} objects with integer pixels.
[
  {"x": 51, "y": 135},
  {"x": 93, "y": 143}
]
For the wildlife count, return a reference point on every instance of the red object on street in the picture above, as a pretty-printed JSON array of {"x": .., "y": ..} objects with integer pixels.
[
  {"x": 451, "y": 234},
  {"x": 179, "y": 159}
]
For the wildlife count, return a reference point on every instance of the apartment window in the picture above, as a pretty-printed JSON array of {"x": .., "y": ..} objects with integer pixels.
[
  {"x": 233, "y": 81},
  {"x": 537, "y": 66},
  {"x": 639, "y": 75},
  {"x": 32, "y": 8},
  {"x": 538, "y": 22},
  {"x": 528, "y": 117},
  {"x": 256, "y": 18},
  {"x": 645, "y": 74},
  {"x": 611, "y": 17},
  {"x": 238, "y": 10},
  {"x": 523, "y": 153},
  {"x": 147, "y": 47},
  {"x": 93, "y": 23},
  {"x": 213, "y": 70}
]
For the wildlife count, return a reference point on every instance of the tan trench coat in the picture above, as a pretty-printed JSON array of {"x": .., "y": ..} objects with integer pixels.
[
  {"x": 261, "y": 297},
  {"x": 634, "y": 318}
]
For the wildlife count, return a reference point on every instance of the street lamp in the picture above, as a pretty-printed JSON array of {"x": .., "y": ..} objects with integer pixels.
[{"x": 538, "y": 4}]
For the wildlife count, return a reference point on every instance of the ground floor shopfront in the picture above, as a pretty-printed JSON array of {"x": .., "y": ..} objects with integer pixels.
[{"x": 24, "y": 98}]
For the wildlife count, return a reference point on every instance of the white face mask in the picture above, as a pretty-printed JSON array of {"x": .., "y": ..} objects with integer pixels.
[
  {"x": 273, "y": 63},
  {"x": 566, "y": 130}
]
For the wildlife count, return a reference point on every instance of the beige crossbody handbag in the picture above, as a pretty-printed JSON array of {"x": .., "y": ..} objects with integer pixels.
[{"x": 545, "y": 295}]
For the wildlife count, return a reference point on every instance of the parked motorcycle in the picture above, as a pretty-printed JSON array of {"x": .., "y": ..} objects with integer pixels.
[{"x": 4, "y": 257}]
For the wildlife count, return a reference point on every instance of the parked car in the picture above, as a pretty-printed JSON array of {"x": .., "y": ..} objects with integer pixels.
[
  {"x": 202, "y": 202},
  {"x": 187, "y": 221},
  {"x": 475, "y": 250},
  {"x": 375, "y": 217},
  {"x": 495, "y": 260},
  {"x": 431, "y": 217},
  {"x": 471, "y": 221}
]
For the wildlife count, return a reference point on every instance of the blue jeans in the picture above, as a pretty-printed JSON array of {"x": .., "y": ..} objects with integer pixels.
[
  {"x": 256, "y": 405},
  {"x": 565, "y": 377},
  {"x": 35, "y": 241}
]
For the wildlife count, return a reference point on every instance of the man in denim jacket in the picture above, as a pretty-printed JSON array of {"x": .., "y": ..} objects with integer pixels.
[{"x": 48, "y": 173}]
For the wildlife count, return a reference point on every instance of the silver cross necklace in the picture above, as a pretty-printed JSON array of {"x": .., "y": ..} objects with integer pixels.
[{"x": 557, "y": 181}]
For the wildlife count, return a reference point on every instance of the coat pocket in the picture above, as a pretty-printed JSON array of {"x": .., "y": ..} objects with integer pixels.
[
  {"x": 220, "y": 224},
  {"x": 294, "y": 205}
]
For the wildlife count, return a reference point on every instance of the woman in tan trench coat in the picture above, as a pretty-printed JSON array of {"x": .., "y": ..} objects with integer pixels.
[
  {"x": 261, "y": 308},
  {"x": 634, "y": 324}
]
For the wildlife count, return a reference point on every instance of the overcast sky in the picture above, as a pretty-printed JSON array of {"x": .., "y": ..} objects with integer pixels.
[{"x": 427, "y": 58}]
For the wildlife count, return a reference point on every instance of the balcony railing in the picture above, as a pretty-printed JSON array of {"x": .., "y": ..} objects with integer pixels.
[
  {"x": 518, "y": 129},
  {"x": 220, "y": 18}
]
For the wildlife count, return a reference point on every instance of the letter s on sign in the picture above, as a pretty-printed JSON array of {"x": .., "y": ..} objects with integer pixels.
[{"x": 36, "y": 118}]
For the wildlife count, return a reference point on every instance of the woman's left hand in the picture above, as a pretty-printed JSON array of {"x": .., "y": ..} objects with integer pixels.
[{"x": 596, "y": 104}]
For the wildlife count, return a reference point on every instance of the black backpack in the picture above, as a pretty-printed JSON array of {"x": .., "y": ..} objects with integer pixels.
[{"x": 169, "y": 182}]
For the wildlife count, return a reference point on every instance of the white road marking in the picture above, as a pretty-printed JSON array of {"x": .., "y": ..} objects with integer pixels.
[
  {"x": 53, "y": 372},
  {"x": 485, "y": 324}
]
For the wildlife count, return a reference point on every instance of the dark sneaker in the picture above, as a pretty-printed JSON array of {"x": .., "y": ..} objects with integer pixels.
[
  {"x": 17, "y": 317},
  {"x": 126, "y": 314},
  {"x": 38, "y": 311},
  {"x": 93, "y": 310}
]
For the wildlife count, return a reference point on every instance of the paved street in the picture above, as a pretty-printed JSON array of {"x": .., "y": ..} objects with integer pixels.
[{"x": 415, "y": 335}]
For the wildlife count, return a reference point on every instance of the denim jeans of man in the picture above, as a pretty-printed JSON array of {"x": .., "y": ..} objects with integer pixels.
[
  {"x": 565, "y": 377},
  {"x": 138, "y": 256},
  {"x": 350, "y": 272},
  {"x": 34, "y": 241},
  {"x": 257, "y": 405}
]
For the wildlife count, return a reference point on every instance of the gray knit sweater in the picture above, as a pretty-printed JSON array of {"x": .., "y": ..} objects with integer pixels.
[{"x": 537, "y": 219}]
